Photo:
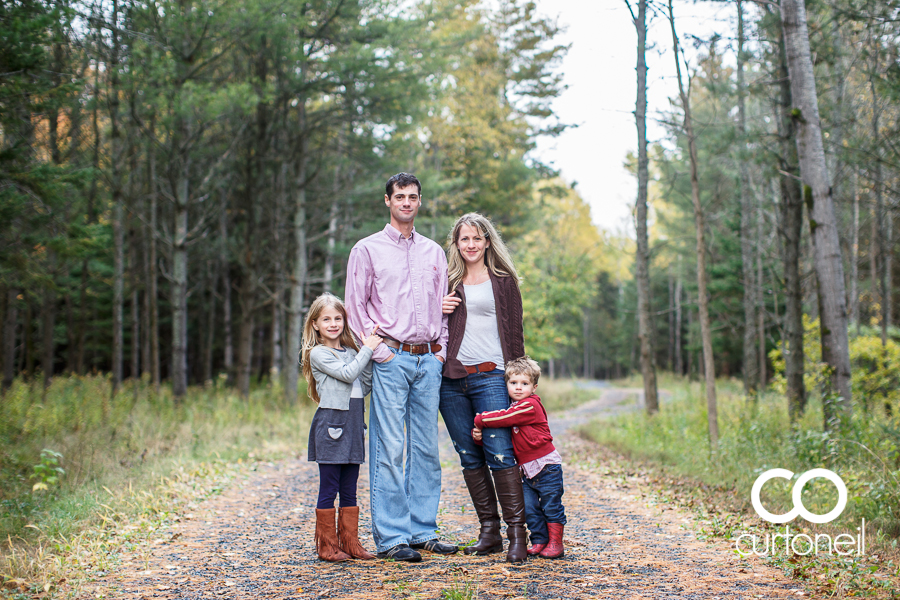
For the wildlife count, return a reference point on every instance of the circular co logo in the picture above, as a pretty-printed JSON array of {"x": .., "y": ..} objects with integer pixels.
[{"x": 796, "y": 496}]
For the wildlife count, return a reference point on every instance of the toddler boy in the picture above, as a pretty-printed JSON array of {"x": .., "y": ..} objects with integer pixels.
[{"x": 541, "y": 464}]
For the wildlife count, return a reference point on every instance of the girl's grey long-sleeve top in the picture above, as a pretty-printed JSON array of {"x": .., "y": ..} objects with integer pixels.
[{"x": 335, "y": 373}]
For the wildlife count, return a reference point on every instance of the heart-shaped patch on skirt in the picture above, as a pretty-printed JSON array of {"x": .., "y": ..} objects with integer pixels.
[{"x": 335, "y": 433}]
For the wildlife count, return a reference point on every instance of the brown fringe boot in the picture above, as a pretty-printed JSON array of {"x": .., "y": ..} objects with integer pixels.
[
  {"x": 326, "y": 537},
  {"x": 348, "y": 533}
]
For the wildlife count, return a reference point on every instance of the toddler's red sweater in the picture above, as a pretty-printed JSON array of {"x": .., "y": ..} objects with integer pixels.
[{"x": 530, "y": 431}]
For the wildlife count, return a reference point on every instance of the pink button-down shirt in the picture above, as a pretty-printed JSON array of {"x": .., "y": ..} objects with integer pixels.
[{"x": 398, "y": 283}]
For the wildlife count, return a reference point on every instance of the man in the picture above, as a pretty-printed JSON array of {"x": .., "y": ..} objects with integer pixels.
[{"x": 395, "y": 281}]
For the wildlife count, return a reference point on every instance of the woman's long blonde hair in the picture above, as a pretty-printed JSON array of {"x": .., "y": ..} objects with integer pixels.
[
  {"x": 496, "y": 255},
  {"x": 311, "y": 337}
]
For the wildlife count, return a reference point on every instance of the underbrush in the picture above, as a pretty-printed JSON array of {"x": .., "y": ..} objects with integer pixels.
[
  {"x": 83, "y": 475},
  {"x": 755, "y": 435},
  {"x": 562, "y": 394}
]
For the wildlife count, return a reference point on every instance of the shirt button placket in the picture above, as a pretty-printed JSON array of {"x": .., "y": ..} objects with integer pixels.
[{"x": 414, "y": 277}]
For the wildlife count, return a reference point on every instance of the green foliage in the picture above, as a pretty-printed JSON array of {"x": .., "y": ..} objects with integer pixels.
[
  {"x": 756, "y": 436},
  {"x": 558, "y": 261},
  {"x": 562, "y": 394},
  {"x": 876, "y": 368},
  {"x": 133, "y": 437},
  {"x": 48, "y": 471}
]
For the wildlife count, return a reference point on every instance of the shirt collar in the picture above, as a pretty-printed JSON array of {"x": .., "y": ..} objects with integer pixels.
[{"x": 395, "y": 234}]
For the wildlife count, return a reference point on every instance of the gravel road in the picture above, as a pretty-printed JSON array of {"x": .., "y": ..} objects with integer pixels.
[{"x": 255, "y": 540}]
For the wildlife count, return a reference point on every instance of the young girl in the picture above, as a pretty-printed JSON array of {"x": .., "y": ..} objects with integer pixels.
[{"x": 339, "y": 375}]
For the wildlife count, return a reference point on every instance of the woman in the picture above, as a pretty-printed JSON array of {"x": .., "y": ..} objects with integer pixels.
[{"x": 485, "y": 308}]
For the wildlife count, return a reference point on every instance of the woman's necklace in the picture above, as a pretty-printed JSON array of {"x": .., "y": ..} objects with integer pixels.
[{"x": 478, "y": 278}]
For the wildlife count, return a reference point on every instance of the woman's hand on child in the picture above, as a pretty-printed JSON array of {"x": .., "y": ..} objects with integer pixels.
[
  {"x": 450, "y": 302},
  {"x": 476, "y": 434}
]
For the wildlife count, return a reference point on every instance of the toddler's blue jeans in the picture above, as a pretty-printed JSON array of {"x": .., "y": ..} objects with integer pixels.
[{"x": 543, "y": 502}]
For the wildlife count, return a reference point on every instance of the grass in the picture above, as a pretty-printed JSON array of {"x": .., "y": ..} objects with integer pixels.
[
  {"x": 461, "y": 588},
  {"x": 130, "y": 463},
  {"x": 756, "y": 435},
  {"x": 563, "y": 394}
]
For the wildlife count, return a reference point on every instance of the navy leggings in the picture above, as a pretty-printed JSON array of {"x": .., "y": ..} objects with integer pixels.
[{"x": 334, "y": 479}]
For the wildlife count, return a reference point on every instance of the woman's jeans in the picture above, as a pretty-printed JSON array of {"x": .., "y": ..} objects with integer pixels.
[
  {"x": 404, "y": 412},
  {"x": 543, "y": 502},
  {"x": 461, "y": 400}
]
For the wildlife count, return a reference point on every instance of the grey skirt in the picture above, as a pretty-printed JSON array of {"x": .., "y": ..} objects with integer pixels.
[{"x": 337, "y": 437}]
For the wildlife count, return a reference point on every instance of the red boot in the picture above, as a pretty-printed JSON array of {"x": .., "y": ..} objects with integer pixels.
[
  {"x": 535, "y": 549},
  {"x": 554, "y": 547}
]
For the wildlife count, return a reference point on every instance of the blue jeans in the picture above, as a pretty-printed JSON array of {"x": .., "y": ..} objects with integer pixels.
[
  {"x": 461, "y": 400},
  {"x": 404, "y": 411},
  {"x": 543, "y": 502}
]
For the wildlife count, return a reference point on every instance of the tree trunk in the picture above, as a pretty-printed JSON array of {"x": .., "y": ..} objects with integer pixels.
[
  {"x": 705, "y": 330},
  {"x": 135, "y": 334},
  {"x": 228, "y": 358},
  {"x": 823, "y": 224},
  {"x": 888, "y": 293},
  {"x": 642, "y": 257},
  {"x": 28, "y": 334},
  {"x": 679, "y": 363},
  {"x": 750, "y": 371},
  {"x": 210, "y": 322},
  {"x": 82, "y": 333},
  {"x": 760, "y": 298},
  {"x": 791, "y": 232},
  {"x": 586, "y": 335},
  {"x": 873, "y": 261},
  {"x": 10, "y": 320},
  {"x": 48, "y": 323},
  {"x": 153, "y": 282},
  {"x": 854, "y": 258},
  {"x": 278, "y": 291},
  {"x": 333, "y": 223},
  {"x": 245, "y": 338},
  {"x": 299, "y": 274},
  {"x": 180, "y": 273},
  {"x": 133, "y": 249},
  {"x": 691, "y": 342},
  {"x": 671, "y": 348},
  {"x": 117, "y": 202},
  {"x": 145, "y": 313},
  {"x": 877, "y": 188}
]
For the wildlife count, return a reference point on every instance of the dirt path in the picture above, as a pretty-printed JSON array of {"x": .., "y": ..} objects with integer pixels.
[{"x": 255, "y": 540}]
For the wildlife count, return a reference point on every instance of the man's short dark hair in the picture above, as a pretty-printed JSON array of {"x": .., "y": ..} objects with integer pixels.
[{"x": 401, "y": 180}]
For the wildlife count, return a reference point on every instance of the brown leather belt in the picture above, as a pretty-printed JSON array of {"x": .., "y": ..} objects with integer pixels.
[
  {"x": 484, "y": 367},
  {"x": 412, "y": 348}
]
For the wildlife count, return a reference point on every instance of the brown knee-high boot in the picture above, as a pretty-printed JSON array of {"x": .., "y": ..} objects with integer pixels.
[
  {"x": 481, "y": 489},
  {"x": 348, "y": 533},
  {"x": 512, "y": 503},
  {"x": 326, "y": 537}
]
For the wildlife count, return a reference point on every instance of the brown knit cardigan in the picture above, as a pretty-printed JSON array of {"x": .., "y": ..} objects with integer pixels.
[{"x": 508, "y": 302}]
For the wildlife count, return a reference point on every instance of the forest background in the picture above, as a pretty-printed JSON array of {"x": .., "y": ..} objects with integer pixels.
[{"x": 179, "y": 179}]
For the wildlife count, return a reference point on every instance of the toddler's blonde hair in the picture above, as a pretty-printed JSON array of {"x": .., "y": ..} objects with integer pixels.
[{"x": 524, "y": 366}]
